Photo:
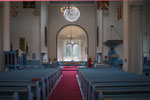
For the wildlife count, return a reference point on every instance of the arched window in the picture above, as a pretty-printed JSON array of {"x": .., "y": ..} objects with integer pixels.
[
  {"x": 72, "y": 52},
  {"x": 68, "y": 51},
  {"x": 71, "y": 42},
  {"x": 76, "y": 52}
]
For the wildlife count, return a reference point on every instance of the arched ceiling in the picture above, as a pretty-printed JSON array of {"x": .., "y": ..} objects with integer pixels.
[{"x": 75, "y": 31}]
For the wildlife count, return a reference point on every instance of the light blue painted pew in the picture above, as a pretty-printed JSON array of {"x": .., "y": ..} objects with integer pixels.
[
  {"x": 24, "y": 93},
  {"x": 19, "y": 84},
  {"x": 112, "y": 80},
  {"x": 85, "y": 79},
  {"x": 115, "y": 82},
  {"x": 11, "y": 96},
  {"x": 23, "y": 77},
  {"x": 99, "y": 94},
  {"x": 11, "y": 60},
  {"x": 33, "y": 63},
  {"x": 52, "y": 74},
  {"x": 124, "y": 97},
  {"x": 101, "y": 73},
  {"x": 46, "y": 65},
  {"x": 103, "y": 76},
  {"x": 39, "y": 74},
  {"x": 30, "y": 74},
  {"x": 114, "y": 77},
  {"x": 97, "y": 71},
  {"x": 146, "y": 70},
  {"x": 115, "y": 86}
]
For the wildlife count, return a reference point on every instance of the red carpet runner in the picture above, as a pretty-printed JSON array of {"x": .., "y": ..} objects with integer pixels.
[{"x": 67, "y": 88}]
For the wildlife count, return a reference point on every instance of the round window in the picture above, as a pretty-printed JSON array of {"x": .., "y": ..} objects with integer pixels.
[{"x": 72, "y": 14}]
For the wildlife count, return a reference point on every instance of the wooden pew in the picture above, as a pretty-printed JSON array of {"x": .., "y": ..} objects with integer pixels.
[
  {"x": 97, "y": 75},
  {"x": 93, "y": 92},
  {"x": 124, "y": 97},
  {"x": 11, "y": 60},
  {"x": 99, "y": 80},
  {"x": 51, "y": 75},
  {"x": 33, "y": 74},
  {"x": 23, "y": 84},
  {"x": 104, "y": 92},
  {"x": 146, "y": 70},
  {"x": 24, "y": 78},
  {"x": 24, "y": 93},
  {"x": 11, "y": 96},
  {"x": 114, "y": 82}
]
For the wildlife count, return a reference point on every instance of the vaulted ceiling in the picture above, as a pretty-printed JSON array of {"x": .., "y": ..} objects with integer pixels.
[{"x": 75, "y": 31}]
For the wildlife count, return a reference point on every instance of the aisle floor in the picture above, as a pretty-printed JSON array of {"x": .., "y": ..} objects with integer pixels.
[{"x": 67, "y": 88}]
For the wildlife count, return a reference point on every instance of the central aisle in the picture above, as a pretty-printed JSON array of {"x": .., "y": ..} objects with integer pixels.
[{"x": 67, "y": 88}]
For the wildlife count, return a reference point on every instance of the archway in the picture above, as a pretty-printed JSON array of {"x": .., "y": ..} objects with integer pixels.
[{"x": 72, "y": 44}]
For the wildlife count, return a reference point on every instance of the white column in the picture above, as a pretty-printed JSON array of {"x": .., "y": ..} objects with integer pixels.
[
  {"x": 132, "y": 37},
  {"x": 126, "y": 24},
  {"x": 136, "y": 39},
  {"x": 6, "y": 26},
  {"x": 5, "y": 33}
]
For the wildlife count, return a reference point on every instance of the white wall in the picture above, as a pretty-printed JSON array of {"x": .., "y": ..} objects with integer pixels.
[
  {"x": 100, "y": 28},
  {"x": 87, "y": 20},
  {"x": 105, "y": 19},
  {"x": 83, "y": 47},
  {"x": 61, "y": 49},
  {"x": 44, "y": 23},
  {"x": 26, "y": 25},
  {"x": 146, "y": 28}
]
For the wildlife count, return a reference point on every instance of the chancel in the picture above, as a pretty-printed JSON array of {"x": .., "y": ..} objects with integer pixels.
[
  {"x": 75, "y": 50},
  {"x": 72, "y": 44}
]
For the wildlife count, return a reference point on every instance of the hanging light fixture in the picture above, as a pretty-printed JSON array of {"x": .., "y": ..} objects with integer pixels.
[
  {"x": 70, "y": 38},
  {"x": 70, "y": 12},
  {"x": 62, "y": 9}
]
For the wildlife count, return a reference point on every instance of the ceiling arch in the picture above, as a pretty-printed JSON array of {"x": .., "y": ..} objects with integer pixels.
[{"x": 72, "y": 30}]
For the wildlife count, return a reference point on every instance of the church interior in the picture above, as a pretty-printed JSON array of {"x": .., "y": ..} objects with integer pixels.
[{"x": 75, "y": 50}]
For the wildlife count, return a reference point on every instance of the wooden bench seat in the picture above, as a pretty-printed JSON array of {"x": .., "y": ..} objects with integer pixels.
[
  {"x": 23, "y": 92},
  {"x": 9, "y": 96},
  {"x": 125, "y": 97},
  {"x": 35, "y": 89},
  {"x": 98, "y": 93},
  {"x": 111, "y": 83},
  {"x": 46, "y": 77}
]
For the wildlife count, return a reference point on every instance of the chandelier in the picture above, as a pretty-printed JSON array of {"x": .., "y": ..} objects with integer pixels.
[
  {"x": 70, "y": 13},
  {"x": 70, "y": 40},
  {"x": 62, "y": 9}
]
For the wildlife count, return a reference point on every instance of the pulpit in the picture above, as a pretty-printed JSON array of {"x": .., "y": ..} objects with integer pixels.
[{"x": 112, "y": 56}]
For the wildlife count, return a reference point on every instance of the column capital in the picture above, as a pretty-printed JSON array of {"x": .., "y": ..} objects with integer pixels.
[{"x": 135, "y": 6}]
